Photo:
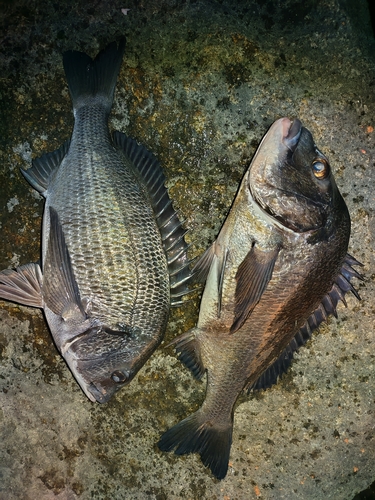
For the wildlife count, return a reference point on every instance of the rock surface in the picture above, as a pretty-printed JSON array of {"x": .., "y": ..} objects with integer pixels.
[{"x": 200, "y": 84}]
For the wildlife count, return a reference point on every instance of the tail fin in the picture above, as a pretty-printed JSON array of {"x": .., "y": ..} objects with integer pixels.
[
  {"x": 91, "y": 77},
  {"x": 197, "y": 435}
]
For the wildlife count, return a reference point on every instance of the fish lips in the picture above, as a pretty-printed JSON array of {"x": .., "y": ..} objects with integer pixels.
[
  {"x": 100, "y": 376},
  {"x": 291, "y": 132},
  {"x": 102, "y": 385},
  {"x": 104, "y": 389},
  {"x": 275, "y": 183}
]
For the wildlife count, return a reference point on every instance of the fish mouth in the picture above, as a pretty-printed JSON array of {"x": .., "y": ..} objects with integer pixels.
[
  {"x": 291, "y": 132},
  {"x": 278, "y": 178},
  {"x": 280, "y": 141},
  {"x": 100, "y": 374}
]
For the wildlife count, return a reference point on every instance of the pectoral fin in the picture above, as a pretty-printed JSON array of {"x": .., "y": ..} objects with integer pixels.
[
  {"x": 253, "y": 276},
  {"x": 22, "y": 285},
  {"x": 60, "y": 289}
]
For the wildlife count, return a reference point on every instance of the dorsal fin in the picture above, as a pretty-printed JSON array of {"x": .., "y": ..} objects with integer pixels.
[
  {"x": 43, "y": 167},
  {"x": 327, "y": 307},
  {"x": 171, "y": 230}
]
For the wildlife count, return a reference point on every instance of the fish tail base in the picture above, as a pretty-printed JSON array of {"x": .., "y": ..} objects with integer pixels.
[{"x": 197, "y": 435}]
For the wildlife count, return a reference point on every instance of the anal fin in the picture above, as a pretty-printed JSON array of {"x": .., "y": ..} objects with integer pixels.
[
  {"x": 38, "y": 176},
  {"x": 188, "y": 350}
]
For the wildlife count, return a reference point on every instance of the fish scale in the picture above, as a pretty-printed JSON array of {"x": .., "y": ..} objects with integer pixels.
[
  {"x": 113, "y": 203},
  {"x": 113, "y": 249},
  {"x": 277, "y": 269}
]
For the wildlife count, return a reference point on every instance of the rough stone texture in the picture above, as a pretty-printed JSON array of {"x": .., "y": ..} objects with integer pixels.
[{"x": 200, "y": 84}]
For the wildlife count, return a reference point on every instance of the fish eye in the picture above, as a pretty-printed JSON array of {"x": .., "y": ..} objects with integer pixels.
[
  {"x": 119, "y": 377},
  {"x": 320, "y": 168}
]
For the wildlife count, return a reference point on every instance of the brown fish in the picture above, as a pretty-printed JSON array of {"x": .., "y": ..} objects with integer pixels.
[{"x": 277, "y": 269}]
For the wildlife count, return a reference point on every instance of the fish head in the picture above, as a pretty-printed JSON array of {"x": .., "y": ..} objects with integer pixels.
[
  {"x": 99, "y": 381},
  {"x": 106, "y": 360},
  {"x": 103, "y": 360},
  {"x": 291, "y": 180}
]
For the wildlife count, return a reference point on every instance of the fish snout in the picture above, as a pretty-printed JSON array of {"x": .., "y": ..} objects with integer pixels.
[
  {"x": 291, "y": 132},
  {"x": 102, "y": 390}
]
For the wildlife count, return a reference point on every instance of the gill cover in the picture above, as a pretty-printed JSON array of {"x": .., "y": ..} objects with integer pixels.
[{"x": 292, "y": 179}]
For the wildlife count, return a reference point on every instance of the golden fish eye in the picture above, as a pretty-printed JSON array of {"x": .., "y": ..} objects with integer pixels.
[{"x": 320, "y": 168}]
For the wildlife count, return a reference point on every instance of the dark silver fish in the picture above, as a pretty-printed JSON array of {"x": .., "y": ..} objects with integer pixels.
[
  {"x": 113, "y": 249},
  {"x": 277, "y": 269}
]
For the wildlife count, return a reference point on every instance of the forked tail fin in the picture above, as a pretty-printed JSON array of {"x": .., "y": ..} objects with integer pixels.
[
  {"x": 195, "y": 434},
  {"x": 89, "y": 78}
]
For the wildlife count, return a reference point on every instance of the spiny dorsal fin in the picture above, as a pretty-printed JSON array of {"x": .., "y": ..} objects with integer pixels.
[
  {"x": 22, "y": 285},
  {"x": 340, "y": 287},
  {"x": 253, "y": 276},
  {"x": 43, "y": 167},
  {"x": 60, "y": 289},
  {"x": 327, "y": 307},
  {"x": 171, "y": 230}
]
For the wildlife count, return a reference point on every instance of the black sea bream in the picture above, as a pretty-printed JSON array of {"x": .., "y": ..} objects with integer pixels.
[
  {"x": 113, "y": 250},
  {"x": 277, "y": 269}
]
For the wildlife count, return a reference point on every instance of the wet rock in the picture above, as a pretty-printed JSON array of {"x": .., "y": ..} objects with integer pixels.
[{"x": 200, "y": 84}]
